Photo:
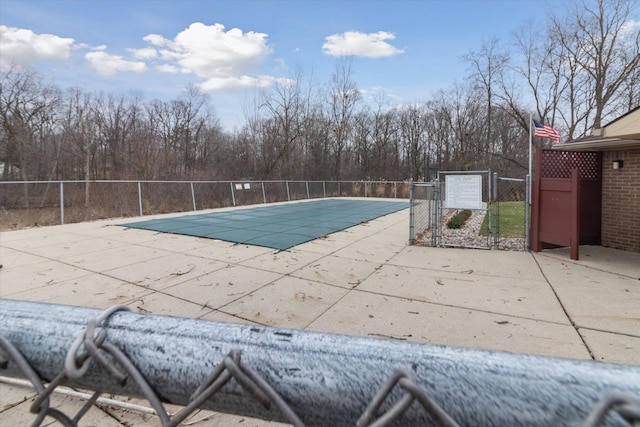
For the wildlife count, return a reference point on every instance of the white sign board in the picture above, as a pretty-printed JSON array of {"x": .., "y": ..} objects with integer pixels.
[{"x": 463, "y": 191}]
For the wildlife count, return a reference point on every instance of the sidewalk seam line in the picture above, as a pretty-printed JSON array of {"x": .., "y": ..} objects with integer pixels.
[{"x": 566, "y": 313}]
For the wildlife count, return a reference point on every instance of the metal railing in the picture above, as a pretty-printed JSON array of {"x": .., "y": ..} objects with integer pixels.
[
  {"x": 300, "y": 377},
  {"x": 28, "y": 203}
]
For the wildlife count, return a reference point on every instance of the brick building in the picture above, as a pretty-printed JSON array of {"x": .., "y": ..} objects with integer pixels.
[{"x": 619, "y": 142}]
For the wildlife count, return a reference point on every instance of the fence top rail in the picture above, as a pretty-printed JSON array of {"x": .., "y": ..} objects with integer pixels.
[
  {"x": 511, "y": 179},
  {"x": 188, "y": 182},
  {"x": 462, "y": 172},
  {"x": 327, "y": 387}
]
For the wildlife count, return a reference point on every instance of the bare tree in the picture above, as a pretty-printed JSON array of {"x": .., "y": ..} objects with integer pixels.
[
  {"x": 181, "y": 127},
  {"x": 413, "y": 124},
  {"x": 282, "y": 114},
  {"x": 343, "y": 99},
  {"x": 603, "y": 44},
  {"x": 79, "y": 132},
  {"x": 191, "y": 113},
  {"x": 111, "y": 120},
  {"x": 441, "y": 136},
  {"x": 316, "y": 132},
  {"x": 385, "y": 162},
  {"x": 363, "y": 140},
  {"x": 487, "y": 68},
  {"x": 630, "y": 93},
  {"x": 141, "y": 153},
  {"x": 536, "y": 63},
  {"x": 28, "y": 109}
]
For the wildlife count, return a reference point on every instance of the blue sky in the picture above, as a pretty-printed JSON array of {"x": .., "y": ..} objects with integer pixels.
[{"x": 406, "y": 49}]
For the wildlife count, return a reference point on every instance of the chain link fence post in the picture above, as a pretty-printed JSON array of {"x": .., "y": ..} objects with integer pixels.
[
  {"x": 61, "y": 202},
  {"x": 411, "y": 220}
]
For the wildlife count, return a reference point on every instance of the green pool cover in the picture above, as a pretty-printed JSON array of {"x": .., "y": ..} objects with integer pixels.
[{"x": 276, "y": 226}]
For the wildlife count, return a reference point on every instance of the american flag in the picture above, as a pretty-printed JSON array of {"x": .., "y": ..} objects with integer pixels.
[{"x": 544, "y": 131}]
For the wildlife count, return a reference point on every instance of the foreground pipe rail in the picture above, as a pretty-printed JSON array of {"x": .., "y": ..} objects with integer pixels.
[{"x": 325, "y": 379}]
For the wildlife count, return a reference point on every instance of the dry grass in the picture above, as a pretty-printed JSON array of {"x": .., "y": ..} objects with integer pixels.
[
  {"x": 118, "y": 200},
  {"x": 25, "y": 218}
]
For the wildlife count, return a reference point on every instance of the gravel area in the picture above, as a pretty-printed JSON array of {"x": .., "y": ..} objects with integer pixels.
[{"x": 468, "y": 236}]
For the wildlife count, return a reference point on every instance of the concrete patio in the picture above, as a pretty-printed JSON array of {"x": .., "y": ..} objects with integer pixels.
[{"x": 364, "y": 280}]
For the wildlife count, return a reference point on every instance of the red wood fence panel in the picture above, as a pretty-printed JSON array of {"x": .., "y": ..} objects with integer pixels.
[{"x": 566, "y": 200}]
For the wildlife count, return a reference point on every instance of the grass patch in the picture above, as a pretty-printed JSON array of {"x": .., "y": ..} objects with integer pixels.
[{"x": 511, "y": 220}]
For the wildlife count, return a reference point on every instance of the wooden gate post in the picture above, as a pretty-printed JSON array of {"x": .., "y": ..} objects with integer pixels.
[{"x": 575, "y": 213}]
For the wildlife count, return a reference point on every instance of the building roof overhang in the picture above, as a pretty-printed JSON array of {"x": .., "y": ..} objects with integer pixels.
[
  {"x": 597, "y": 143},
  {"x": 622, "y": 133}
]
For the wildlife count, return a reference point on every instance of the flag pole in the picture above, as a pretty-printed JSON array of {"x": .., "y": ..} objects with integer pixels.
[
  {"x": 530, "y": 146},
  {"x": 527, "y": 208}
]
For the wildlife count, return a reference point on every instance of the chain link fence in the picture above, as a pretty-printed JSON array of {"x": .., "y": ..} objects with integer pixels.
[
  {"x": 299, "y": 377},
  {"x": 423, "y": 214},
  {"x": 37, "y": 203},
  {"x": 497, "y": 216}
]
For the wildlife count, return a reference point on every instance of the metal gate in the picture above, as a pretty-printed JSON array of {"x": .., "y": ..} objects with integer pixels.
[
  {"x": 497, "y": 211},
  {"x": 423, "y": 213},
  {"x": 511, "y": 212}
]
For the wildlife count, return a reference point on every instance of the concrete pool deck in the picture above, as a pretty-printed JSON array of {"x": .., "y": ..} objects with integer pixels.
[{"x": 364, "y": 280}]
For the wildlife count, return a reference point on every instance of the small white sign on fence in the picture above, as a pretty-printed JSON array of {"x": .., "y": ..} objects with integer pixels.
[{"x": 463, "y": 191}]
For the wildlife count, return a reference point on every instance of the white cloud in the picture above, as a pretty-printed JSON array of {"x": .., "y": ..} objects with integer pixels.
[
  {"x": 237, "y": 82},
  {"x": 381, "y": 93},
  {"x": 144, "y": 53},
  {"x": 167, "y": 68},
  {"x": 629, "y": 34},
  {"x": 22, "y": 46},
  {"x": 630, "y": 28},
  {"x": 243, "y": 82},
  {"x": 108, "y": 65},
  {"x": 354, "y": 43},
  {"x": 220, "y": 58},
  {"x": 225, "y": 59}
]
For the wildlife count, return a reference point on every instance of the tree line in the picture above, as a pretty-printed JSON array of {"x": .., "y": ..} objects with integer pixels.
[{"x": 577, "y": 70}]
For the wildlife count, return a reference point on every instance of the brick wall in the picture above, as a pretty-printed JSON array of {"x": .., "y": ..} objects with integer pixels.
[{"x": 621, "y": 200}]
